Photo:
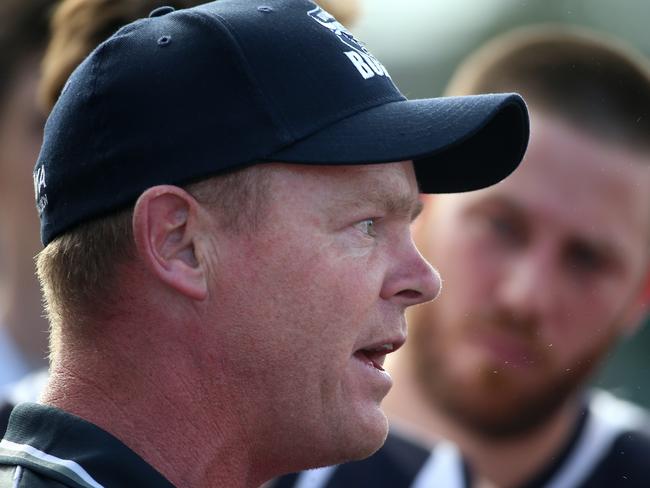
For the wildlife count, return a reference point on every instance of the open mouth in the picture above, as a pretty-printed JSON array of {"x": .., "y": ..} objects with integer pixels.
[{"x": 375, "y": 356}]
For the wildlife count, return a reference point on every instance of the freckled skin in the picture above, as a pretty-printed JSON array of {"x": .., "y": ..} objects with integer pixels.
[
  {"x": 542, "y": 275},
  {"x": 304, "y": 291}
]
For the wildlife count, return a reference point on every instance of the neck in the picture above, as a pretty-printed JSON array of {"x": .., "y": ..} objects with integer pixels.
[
  {"x": 156, "y": 409},
  {"x": 527, "y": 454}
]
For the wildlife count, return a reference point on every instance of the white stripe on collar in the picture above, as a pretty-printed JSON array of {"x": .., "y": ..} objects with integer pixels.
[
  {"x": 65, "y": 467},
  {"x": 315, "y": 478},
  {"x": 444, "y": 467},
  {"x": 609, "y": 417}
]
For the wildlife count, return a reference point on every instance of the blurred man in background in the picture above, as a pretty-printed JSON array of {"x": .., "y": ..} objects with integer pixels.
[
  {"x": 23, "y": 331},
  {"x": 543, "y": 274},
  {"x": 559, "y": 260}
]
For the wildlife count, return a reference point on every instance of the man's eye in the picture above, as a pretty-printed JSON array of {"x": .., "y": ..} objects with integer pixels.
[
  {"x": 506, "y": 229},
  {"x": 584, "y": 259},
  {"x": 501, "y": 226},
  {"x": 367, "y": 226}
]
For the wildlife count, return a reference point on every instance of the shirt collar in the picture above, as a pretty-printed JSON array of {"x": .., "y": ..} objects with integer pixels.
[{"x": 58, "y": 444}]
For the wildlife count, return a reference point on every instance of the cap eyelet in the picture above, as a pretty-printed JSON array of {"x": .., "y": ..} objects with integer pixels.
[
  {"x": 164, "y": 40},
  {"x": 265, "y": 9},
  {"x": 160, "y": 11}
]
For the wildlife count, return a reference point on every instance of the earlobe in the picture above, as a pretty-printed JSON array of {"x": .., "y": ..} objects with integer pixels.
[{"x": 166, "y": 232}]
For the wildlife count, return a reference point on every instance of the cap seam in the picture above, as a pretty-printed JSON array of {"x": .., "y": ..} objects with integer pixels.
[
  {"x": 100, "y": 122},
  {"x": 356, "y": 110},
  {"x": 230, "y": 31},
  {"x": 291, "y": 137}
]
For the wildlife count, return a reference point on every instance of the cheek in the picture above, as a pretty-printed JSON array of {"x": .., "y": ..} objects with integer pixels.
[
  {"x": 325, "y": 298},
  {"x": 469, "y": 274},
  {"x": 583, "y": 322},
  {"x": 20, "y": 138},
  {"x": 590, "y": 308},
  {"x": 19, "y": 153},
  {"x": 339, "y": 293}
]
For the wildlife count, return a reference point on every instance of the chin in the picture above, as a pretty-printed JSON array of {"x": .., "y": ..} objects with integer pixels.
[
  {"x": 351, "y": 435},
  {"x": 368, "y": 436},
  {"x": 348, "y": 448},
  {"x": 352, "y": 438}
]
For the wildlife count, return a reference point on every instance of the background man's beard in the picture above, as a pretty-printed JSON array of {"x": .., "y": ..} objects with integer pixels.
[
  {"x": 493, "y": 405},
  {"x": 499, "y": 420}
]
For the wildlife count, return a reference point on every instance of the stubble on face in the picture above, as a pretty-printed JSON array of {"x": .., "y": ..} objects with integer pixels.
[
  {"x": 495, "y": 401},
  {"x": 542, "y": 277}
]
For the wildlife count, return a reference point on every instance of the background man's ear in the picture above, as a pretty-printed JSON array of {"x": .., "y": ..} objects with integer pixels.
[
  {"x": 639, "y": 308},
  {"x": 166, "y": 231}
]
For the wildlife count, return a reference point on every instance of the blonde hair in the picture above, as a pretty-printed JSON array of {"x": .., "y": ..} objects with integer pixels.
[{"x": 79, "y": 271}]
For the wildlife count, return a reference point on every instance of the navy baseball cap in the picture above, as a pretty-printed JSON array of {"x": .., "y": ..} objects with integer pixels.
[{"x": 188, "y": 94}]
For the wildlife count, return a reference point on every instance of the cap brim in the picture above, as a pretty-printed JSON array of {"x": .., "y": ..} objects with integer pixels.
[{"x": 457, "y": 143}]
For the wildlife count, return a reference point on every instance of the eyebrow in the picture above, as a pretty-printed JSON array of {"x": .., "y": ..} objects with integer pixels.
[
  {"x": 392, "y": 203},
  {"x": 608, "y": 250}
]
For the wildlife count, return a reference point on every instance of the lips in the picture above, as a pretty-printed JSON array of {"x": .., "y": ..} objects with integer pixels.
[
  {"x": 375, "y": 355},
  {"x": 509, "y": 350}
]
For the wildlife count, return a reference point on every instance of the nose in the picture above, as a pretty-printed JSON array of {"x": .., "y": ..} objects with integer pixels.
[
  {"x": 411, "y": 280},
  {"x": 527, "y": 286}
]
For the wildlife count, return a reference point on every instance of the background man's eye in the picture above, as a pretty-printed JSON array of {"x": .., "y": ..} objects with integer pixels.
[
  {"x": 501, "y": 226},
  {"x": 583, "y": 258},
  {"x": 506, "y": 229}
]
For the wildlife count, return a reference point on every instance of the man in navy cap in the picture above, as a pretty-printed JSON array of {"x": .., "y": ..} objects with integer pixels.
[{"x": 225, "y": 196}]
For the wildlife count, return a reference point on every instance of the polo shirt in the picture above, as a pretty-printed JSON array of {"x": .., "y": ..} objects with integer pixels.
[
  {"x": 395, "y": 465},
  {"x": 27, "y": 389},
  {"x": 47, "y": 447},
  {"x": 608, "y": 447}
]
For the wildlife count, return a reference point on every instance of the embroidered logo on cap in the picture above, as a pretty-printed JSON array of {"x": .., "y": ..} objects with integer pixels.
[
  {"x": 365, "y": 63},
  {"x": 39, "y": 188}
]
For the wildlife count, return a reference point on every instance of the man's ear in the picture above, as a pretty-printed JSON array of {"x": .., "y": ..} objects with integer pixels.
[
  {"x": 639, "y": 308},
  {"x": 166, "y": 231}
]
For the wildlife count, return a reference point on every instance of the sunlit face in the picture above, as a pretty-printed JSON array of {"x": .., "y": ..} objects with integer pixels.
[
  {"x": 315, "y": 298},
  {"x": 541, "y": 275}
]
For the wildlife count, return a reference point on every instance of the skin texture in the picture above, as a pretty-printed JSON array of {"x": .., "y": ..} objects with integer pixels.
[
  {"x": 543, "y": 273},
  {"x": 21, "y": 125},
  {"x": 251, "y": 340}
]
